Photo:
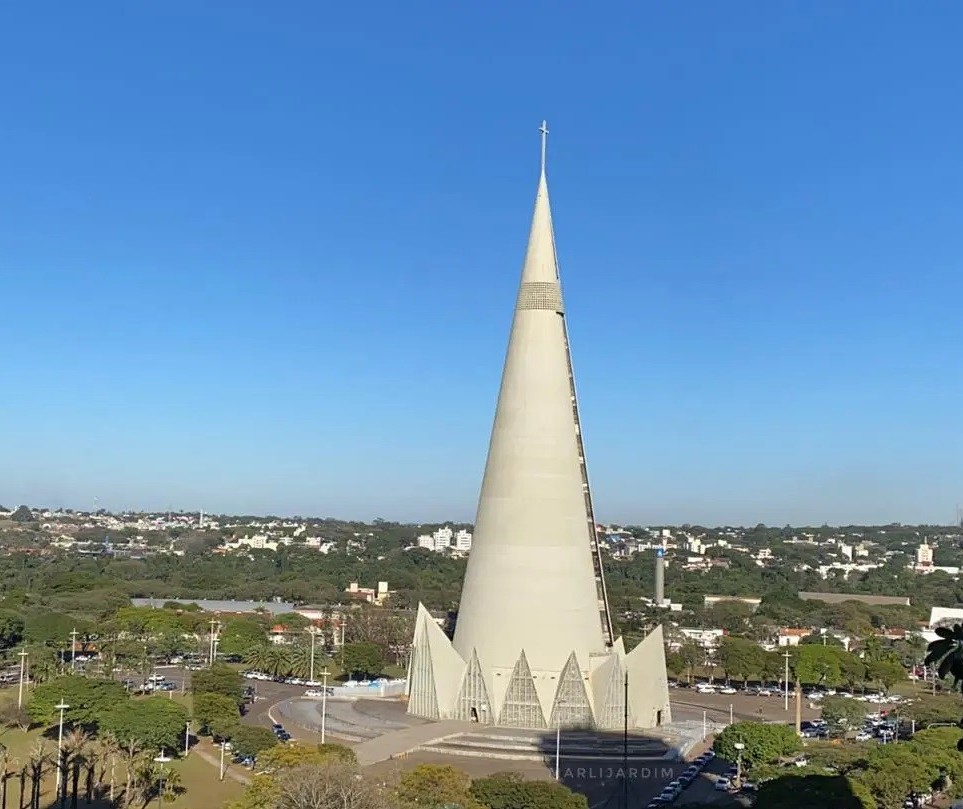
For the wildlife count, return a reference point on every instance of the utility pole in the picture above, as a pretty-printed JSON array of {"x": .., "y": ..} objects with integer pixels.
[
  {"x": 187, "y": 738},
  {"x": 73, "y": 650},
  {"x": 324, "y": 701},
  {"x": 310, "y": 631},
  {"x": 798, "y": 708},
  {"x": 211, "y": 649},
  {"x": 23, "y": 660},
  {"x": 785, "y": 684}
]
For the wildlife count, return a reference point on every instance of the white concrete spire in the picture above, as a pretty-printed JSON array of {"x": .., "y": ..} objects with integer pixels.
[{"x": 532, "y": 642}]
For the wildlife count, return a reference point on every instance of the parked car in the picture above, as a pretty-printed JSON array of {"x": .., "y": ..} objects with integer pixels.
[{"x": 722, "y": 785}]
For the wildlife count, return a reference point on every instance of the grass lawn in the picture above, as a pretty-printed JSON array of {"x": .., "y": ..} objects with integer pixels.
[
  {"x": 199, "y": 777},
  {"x": 204, "y": 790}
]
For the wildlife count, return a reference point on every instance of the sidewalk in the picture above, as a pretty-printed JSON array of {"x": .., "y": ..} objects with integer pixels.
[
  {"x": 400, "y": 742},
  {"x": 214, "y": 759}
]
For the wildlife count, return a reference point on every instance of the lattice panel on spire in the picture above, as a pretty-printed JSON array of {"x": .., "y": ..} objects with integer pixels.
[
  {"x": 521, "y": 708},
  {"x": 540, "y": 295},
  {"x": 612, "y": 710},
  {"x": 572, "y": 707},
  {"x": 423, "y": 699},
  {"x": 473, "y": 704}
]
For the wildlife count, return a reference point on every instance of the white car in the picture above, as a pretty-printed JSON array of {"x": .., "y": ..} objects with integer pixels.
[
  {"x": 722, "y": 785},
  {"x": 863, "y": 736},
  {"x": 727, "y": 690},
  {"x": 313, "y": 693},
  {"x": 764, "y": 692}
]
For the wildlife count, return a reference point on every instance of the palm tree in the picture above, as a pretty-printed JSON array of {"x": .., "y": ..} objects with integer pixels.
[
  {"x": 43, "y": 665},
  {"x": 278, "y": 661},
  {"x": 947, "y": 653},
  {"x": 4, "y": 764},
  {"x": 299, "y": 660},
  {"x": 39, "y": 758},
  {"x": 130, "y": 754},
  {"x": 76, "y": 754},
  {"x": 109, "y": 750},
  {"x": 257, "y": 657}
]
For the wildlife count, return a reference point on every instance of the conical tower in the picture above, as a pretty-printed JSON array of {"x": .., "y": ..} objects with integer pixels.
[{"x": 533, "y": 619}]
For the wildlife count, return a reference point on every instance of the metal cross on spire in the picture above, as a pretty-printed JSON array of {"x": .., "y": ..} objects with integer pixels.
[{"x": 544, "y": 130}]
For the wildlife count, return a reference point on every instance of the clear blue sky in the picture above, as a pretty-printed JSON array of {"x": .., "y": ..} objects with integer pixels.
[{"x": 262, "y": 257}]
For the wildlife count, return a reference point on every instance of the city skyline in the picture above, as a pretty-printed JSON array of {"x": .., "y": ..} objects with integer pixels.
[{"x": 236, "y": 280}]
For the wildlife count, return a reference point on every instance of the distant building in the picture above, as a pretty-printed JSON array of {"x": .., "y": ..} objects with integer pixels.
[
  {"x": 840, "y": 598},
  {"x": 791, "y": 637},
  {"x": 370, "y": 594},
  {"x": 752, "y": 601},
  {"x": 229, "y": 607},
  {"x": 445, "y": 539},
  {"x": 706, "y": 638},
  {"x": 924, "y": 555}
]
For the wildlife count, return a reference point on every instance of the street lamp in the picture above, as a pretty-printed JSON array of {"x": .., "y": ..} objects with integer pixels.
[
  {"x": 23, "y": 661},
  {"x": 187, "y": 738},
  {"x": 785, "y": 682},
  {"x": 73, "y": 650},
  {"x": 223, "y": 748},
  {"x": 324, "y": 701},
  {"x": 162, "y": 760},
  {"x": 310, "y": 631},
  {"x": 558, "y": 742},
  {"x": 62, "y": 706},
  {"x": 739, "y": 748}
]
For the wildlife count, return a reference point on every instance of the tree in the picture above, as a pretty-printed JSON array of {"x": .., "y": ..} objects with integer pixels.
[
  {"x": 843, "y": 714},
  {"x": 926, "y": 709},
  {"x": 739, "y": 658},
  {"x": 22, "y": 514},
  {"x": 363, "y": 658},
  {"x": 11, "y": 628},
  {"x": 150, "y": 724},
  {"x": 764, "y": 744},
  {"x": 886, "y": 673},
  {"x": 852, "y": 670},
  {"x": 290, "y": 763},
  {"x": 895, "y": 770},
  {"x": 48, "y": 627},
  {"x": 294, "y": 754},
  {"x": 219, "y": 679},
  {"x": 691, "y": 654},
  {"x": 250, "y": 740},
  {"x": 239, "y": 635},
  {"x": 89, "y": 699},
  {"x": 431, "y": 785},
  {"x": 806, "y": 791},
  {"x": 510, "y": 791},
  {"x": 817, "y": 665},
  {"x": 333, "y": 785},
  {"x": 214, "y": 712}
]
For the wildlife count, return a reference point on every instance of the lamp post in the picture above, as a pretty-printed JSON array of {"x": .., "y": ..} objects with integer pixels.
[
  {"x": 324, "y": 701},
  {"x": 739, "y": 748},
  {"x": 187, "y": 738},
  {"x": 223, "y": 748},
  {"x": 558, "y": 748},
  {"x": 785, "y": 682},
  {"x": 310, "y": 631},
  {"x": 62, "y": 706},
  {"x": 23, "y": 667},
  {"x": 73, "y": 650},
  {"x": 162, "y": 760}
]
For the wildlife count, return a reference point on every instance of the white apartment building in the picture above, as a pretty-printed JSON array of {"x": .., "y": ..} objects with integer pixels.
[{"x": 445, "y": 539}]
